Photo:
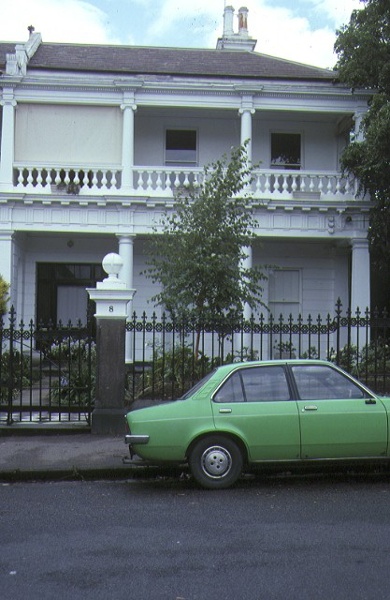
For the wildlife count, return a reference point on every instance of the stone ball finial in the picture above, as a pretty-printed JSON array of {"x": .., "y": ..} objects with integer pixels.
[{"x": 112, "y": 264}]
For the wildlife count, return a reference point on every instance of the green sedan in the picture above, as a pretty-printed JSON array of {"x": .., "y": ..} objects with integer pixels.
[{"x": 282, "y": 412}]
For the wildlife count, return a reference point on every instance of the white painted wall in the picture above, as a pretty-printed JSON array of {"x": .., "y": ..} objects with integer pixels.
[
  {"x": 217, "y": 131},
  {"x": 324, "y": 272},
  {"x": 318, "y": 137}
]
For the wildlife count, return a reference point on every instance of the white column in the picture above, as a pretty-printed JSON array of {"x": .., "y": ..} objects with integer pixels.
[
  {"x": 6, "y": 261},
  {"x": 246, "y": 113},
  {"x": 360, "y": 276},
  {"x": 243, "y": 340},
  {"x": 247, "y": 264},
  {"x": 7, "y": 140},
  {"x": 126, "y": 252},
  {"x": 358, "y": 117},
  {"x": 128, "y": 109}
]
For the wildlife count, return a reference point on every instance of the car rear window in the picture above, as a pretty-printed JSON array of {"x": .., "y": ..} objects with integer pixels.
[{"x": 197, "y": 386}]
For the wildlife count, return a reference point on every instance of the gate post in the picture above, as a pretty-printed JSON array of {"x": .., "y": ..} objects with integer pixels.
[{"x": 111, "y": 297}]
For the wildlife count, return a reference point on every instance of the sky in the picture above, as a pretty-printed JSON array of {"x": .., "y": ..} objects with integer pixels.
[{"x": 299, "y": 30}]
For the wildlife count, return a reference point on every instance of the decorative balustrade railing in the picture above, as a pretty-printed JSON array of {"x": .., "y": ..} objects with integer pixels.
[
  {"x": 303, "y": 184},
  {"x": 169, "y": 181},
  {"x": 71, "y": 180}
]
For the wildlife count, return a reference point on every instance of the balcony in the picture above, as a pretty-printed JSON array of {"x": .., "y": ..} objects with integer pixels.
[{"x": 168, "y": 182}]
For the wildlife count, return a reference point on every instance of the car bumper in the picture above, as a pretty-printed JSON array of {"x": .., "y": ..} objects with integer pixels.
[{"x": 133, "y": 440}]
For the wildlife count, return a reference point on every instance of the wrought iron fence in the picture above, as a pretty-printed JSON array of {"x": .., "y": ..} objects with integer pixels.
[
  {"x": 47, "y": 374},
  {"x": 168, "y": 356}
]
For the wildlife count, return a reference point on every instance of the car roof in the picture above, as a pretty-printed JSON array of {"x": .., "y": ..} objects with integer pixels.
[{"x": 281, "y": 362}]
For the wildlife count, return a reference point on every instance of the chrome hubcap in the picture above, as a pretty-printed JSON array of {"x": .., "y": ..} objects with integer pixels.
[{"x": 216, "y": 462}]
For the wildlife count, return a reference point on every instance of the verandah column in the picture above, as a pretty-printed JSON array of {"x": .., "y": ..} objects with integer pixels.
[
  {"x": 126, "y": 252},
  {"x": 6, "y": 260},
  {"x": 128, "y": 107},
  {"x": 360, "y": 275},
  {"x": 7, "y": 140},
  {"x": 246, "y": 111}
]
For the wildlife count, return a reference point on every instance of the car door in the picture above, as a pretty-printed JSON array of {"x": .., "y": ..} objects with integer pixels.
[
  {"x": 338, "y": 418},
  {"x": 255, "y": 404}
]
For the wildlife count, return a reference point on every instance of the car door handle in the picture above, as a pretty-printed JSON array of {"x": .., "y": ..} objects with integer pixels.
[
  {"x": 309, "y": 407},
  {"x": 225, "y": 410}
]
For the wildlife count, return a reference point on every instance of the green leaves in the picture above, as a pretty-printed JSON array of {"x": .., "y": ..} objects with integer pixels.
[
  {"x": 198, "y": 258},
  {"x": 363, "y": 47}
]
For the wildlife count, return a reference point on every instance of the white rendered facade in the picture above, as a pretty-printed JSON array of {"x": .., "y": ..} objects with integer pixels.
[{"x": 85, "y": 170}]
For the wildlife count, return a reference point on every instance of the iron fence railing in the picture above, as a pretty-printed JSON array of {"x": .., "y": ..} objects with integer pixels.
[
  {"x": 48, "y": 374},
  {"x": 168, "y": 356}
]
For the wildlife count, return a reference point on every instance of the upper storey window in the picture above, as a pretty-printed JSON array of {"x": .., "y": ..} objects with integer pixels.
[
  {"x": 286, "y": 150},
  {"x": 181, "y": 146}
]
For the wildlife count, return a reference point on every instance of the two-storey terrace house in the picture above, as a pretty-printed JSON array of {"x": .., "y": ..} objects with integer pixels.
[{"x": 96, "y": 142}]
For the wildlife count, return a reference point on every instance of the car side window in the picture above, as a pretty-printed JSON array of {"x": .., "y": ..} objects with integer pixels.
[
  {"x": 255, "y": 384},
  {"x": 320, "y": 382}
]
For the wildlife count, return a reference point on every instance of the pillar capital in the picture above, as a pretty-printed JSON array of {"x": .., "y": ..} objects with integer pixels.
[
  {"x": 360, "y": 243},
  {"x": 126, "y": 105},
  {"x": 246, "y": 109},
  {"x": 8, "y": 102},
  {"x": 126, "y": 238}
]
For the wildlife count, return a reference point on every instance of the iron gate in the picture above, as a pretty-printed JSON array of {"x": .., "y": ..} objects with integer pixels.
[{"x": 47, "y": 374}]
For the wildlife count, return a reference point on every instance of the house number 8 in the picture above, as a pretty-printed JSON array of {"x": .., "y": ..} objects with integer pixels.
[{"x": 111, "y": 308}]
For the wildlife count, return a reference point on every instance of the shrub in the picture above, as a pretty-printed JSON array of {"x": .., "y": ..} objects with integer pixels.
[
  {"x": 76, "y": 364},
  {"x": 171, "y": 373},
  {"x": 4, "y": 289},
  {"x": 14, "y": 375}
]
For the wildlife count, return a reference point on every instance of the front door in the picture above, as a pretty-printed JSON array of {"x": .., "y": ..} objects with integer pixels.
[{"x": 72, "y": 304}]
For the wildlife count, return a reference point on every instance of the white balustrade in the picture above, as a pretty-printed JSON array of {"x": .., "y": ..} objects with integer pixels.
[
  {"x": 66, "y": 179},
  {"x": 302, "y": 185},
  {"x": 170, "y": 182}
]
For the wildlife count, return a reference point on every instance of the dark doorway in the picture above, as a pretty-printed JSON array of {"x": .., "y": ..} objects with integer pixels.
[{"x": 61, "y": 293}]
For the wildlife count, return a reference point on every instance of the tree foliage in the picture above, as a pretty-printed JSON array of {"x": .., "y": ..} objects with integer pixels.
[
  {"x": 4, "y": 289},
  {"x": 363, "y": 48},
  {"x": 199, "y": 256}
]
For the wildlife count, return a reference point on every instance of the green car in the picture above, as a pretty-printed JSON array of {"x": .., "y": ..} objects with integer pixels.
[{"x": 281, "y": 412}]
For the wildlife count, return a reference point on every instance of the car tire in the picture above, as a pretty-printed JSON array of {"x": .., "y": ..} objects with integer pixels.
[{"x": 216, "y": 462}]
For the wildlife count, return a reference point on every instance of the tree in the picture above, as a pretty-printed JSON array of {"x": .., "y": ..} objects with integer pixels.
[
  {"x": 199, "y": 257},
  {"x": 363, "y": 48}
]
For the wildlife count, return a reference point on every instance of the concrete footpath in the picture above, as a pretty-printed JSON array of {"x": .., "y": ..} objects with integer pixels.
[{"x": 66, "y": 456}]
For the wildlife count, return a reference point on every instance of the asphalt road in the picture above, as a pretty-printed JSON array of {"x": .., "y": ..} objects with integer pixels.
[{"x": 306, "y": 538}]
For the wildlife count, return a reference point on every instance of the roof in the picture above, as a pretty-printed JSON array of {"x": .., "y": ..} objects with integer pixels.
[{"x": 180, "y": 62}]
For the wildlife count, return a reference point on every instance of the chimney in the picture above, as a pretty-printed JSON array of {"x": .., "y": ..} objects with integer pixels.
[
  {"x": 243, "y": 21},
  {"x": 228, "y": 21},
  {"x": 236, "y": 41}
]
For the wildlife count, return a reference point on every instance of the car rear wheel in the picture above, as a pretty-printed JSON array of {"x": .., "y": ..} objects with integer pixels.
[{"x": 216, "y": 462}]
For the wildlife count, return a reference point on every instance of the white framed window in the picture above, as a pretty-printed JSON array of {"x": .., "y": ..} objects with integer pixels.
[
  {"x": 181, "y": 147},
  {"x": 286, "y": 150}
]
